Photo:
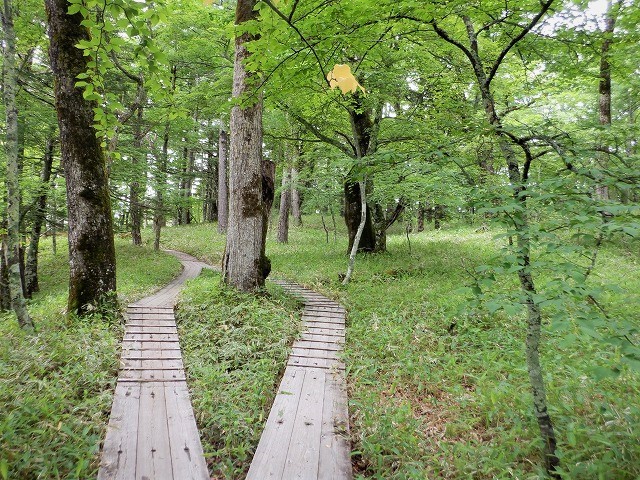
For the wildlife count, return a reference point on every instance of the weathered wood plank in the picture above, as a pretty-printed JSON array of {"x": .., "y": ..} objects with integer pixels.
[
  {"x": 304, "y": 448},
  {"x": 119, "y": 451},
  {"x": 270, "y": 457},
  {"x": 335, "y": 448},
  {"x": 314, "y": 353},
  {"x": 187, "y": 456},
  {"x": 315, "y": 363},
  {"x": 330, "y": 346},
  {"x": 153, "y": 456}
]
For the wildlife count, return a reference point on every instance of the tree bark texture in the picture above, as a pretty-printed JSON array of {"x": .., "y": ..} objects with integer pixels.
[
  {"x": 361, "y": 227},
  {"x": 296, "y": 200},
  {"x": 138, "y": 160},
  {"x": 31, "y": 264},
  {"x": 361, "y": 125},
  {"x": 223, "y": 186},
  {"x": 91, "y": 245},
  {"x": 210, "y": 202},
  {"x": 245, "y": 265},
  {"x": 604, "y": 91},
  {"x": 12, "y": 181},
  {"x": 5, "y": 293},
  {"x": 285, "y": 207},
  {"x": 420, "y": 218}
]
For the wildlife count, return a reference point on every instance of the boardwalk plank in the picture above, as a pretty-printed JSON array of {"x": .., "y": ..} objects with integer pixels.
[
  {"x": 270, "y": 457},
  {"x": 153, "y": 453},
  {"x": 119, "y": 450},
  {"x": 335, "y": 461},
  {"x": 304, "y": 448},
  {"x": 186, "y": 449}
]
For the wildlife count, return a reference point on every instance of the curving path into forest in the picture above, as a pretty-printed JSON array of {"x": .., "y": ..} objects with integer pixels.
[{"x": 152, "y": 433}]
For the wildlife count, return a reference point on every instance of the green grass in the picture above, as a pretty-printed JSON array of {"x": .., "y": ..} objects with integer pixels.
[
  {"x": 56, "y": 386},
  {"x": 235, "y": 348},
  {"x": 436, "y": 393}
]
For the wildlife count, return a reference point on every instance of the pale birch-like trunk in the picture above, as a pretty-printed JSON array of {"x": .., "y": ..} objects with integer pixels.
[
  {"x": 358, "y": 235},
  {"x": 296, "y": 211},
  {"x": 244, "y": 264},
  {"x": 18, "y": 301},
  {"x": 223, "y": 188},
  {"x": 285, "y": 207}
]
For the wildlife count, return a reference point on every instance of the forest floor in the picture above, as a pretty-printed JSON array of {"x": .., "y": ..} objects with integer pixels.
[{"x": 436, "y": 391}]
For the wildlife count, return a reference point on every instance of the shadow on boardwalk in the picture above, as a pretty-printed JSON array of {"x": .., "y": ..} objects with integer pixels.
[{"x": 152, "y": 433}]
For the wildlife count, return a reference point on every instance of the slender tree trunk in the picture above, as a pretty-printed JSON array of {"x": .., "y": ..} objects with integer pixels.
[
  {"x": 31, "y": 265},
  {"x": 223, "y": 189},
  {"x": 5, "y": 293},
  {"x": 420, "y": 217},
  {"x": 13, "y": 175},
  {"x": 361, "y": 227},
  {"x": 161, "y": 181},
  {"x": 296, "y": 211},
  {"x": 604, "y": 90},
  {"x": 210, "y": 201},
  {"x": 245, "y": 265},
  {"x": 518, "y": 181},
  {"x": 92, "y": 260},
  {"x": 139, "y": 169},
  {"x": 285, "y": 207}
]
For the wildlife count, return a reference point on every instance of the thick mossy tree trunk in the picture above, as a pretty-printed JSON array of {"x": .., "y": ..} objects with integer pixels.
[
  {"x": 245, "y": 265},
  {"x": 10, "y": 87},
  {"x": 285, "y": 207},
  {"x": 223, "y": 186},
  {"x": 31, "y": 264},
  {"x": 92, "y": 260}
]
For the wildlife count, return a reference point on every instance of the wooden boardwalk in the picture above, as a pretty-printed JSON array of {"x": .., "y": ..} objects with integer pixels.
[
  {"x": 307, "y": 432},
  {"x": 152, "y": 433}
]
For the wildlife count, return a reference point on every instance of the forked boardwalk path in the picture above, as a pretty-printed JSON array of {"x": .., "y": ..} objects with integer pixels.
[
  {"x": 152, "y": 433},
  {"x": 307, "y": 432}
]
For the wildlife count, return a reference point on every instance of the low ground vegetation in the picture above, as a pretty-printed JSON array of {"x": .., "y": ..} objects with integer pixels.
[{"x": 436, "y": 390}]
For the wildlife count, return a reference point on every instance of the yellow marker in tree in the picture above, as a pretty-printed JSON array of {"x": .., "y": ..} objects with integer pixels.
[{"x": 342, "y": 77}]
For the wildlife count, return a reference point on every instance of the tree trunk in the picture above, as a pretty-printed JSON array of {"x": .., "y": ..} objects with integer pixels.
[
  {"x": 139, "y": 169},
  {"x": 285, "y": 207},
  {"x": 31, "y": 265},
  {"x": 223, "y": 189},
  {"x": 13, "y": 175},
  {"x": 210, "y": 203},
  {"x": 92, "y": 260},
  {"x": 161, "y": 182},
  {"x": 296, "y": 212},
  {"x": 361, "y": 227},
  {"x": 420, "y": 218},
  {"x": 5, "y": 293},
  {"x": 245, "y": 265},
  {"x": 604, "y": 91},
  {"x": 352, "y": 218}
]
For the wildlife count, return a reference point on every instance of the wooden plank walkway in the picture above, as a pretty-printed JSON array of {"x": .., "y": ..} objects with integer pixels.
[
  {"x": 307, "y": 432},
  {"x": 152, "y": 433}
]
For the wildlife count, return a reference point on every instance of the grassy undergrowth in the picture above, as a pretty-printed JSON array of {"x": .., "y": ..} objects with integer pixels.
[
  {"x": 56, "y": 386},
  {"x": 235, "y": 348},
  {"x": 439, "y": 394}
]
